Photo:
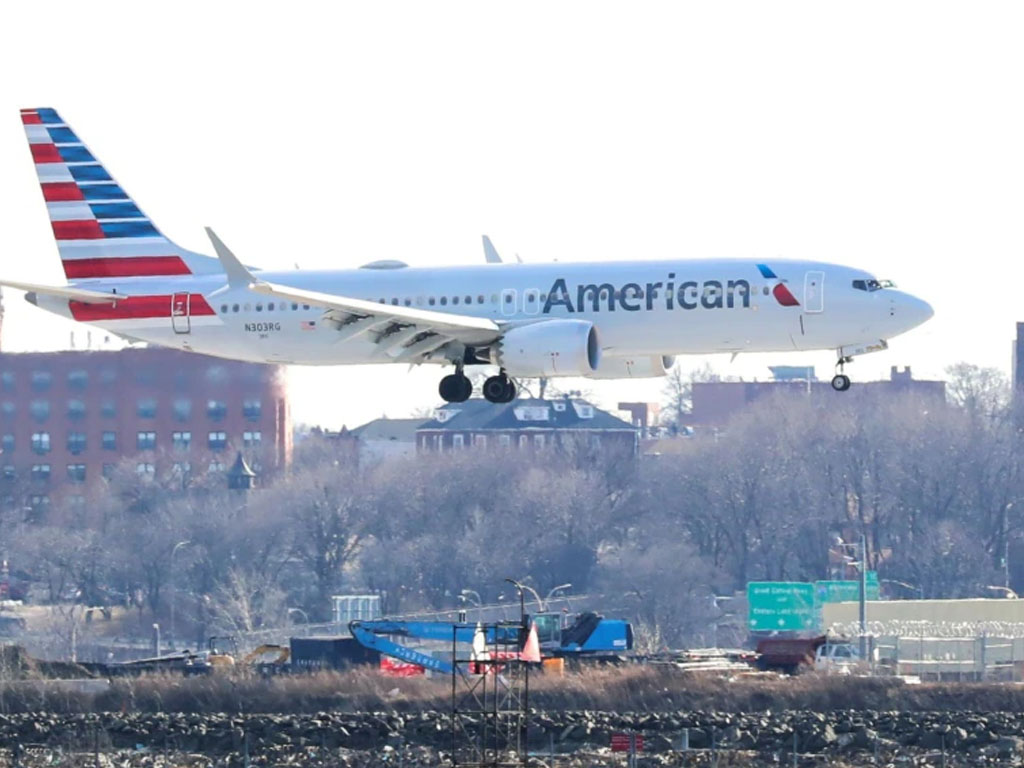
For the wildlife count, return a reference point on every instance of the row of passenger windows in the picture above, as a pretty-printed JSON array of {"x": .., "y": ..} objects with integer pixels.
[
  {"x": 145, "y": 408},
  {"x": 77, "y": 442},
  {"x": 270, "y": 306}
]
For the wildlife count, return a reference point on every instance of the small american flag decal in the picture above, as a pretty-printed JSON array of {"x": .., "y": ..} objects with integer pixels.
[{"x": 308, "y": 325}]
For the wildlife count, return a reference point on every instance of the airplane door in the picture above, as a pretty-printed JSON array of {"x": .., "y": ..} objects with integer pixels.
[
  {"x": 181, "y": 306},
  {"x": 508, "y": 301},
  {"x": 814, "y": 292}
]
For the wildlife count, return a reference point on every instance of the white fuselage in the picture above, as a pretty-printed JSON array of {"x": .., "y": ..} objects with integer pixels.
[{"x": 639, "y": 308}]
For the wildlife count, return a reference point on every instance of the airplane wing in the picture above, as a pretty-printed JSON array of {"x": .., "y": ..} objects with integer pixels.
[
  {"x": 401, "y": 333},
  {"x": 66, "y": 292}
]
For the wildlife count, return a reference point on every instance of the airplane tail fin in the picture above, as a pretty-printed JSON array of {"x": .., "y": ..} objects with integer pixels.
[{"x": 100, "y": 231}]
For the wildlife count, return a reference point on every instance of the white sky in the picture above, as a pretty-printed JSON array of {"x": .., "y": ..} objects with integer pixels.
[{"x": 878, "y": 134}]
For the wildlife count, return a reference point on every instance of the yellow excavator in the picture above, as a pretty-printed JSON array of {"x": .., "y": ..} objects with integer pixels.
[{"x": 222, "y": 654}]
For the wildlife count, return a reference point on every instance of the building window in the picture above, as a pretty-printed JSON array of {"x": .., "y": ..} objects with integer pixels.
[
  {"x": 217, "y": 441},
  {"x": 182, "y": 467},
  {"x": 8, "y": 409},
  {"x": 479, "y": 441},
  {"x": 216, "y": 410},
  {"x": 7, "y": 444},
  {"x": 146, "y": 469},
  {"x": 181, "y": 440},
  {"x": 145, "y": 441},
  {"x": 109, "y": 440},
  {"x": 458, "y": 441},
  {"x": 538, "y": 441},
  {"x": 147, "y": 408},
  {"x": 40, "y": 473},
  {"x": 8, "y": 473},
  {"x": 145, "y": 377},
  {"x": 76, "y": 442},
  {"x": 252, "y": 439},
  {"x": 108, "y": 471},
  {"x": 252, "y": 409},
  {"x": 76, "y": 503},
  {"x": 108, "y": 376},
  {"x": 41, "y": 442},
  {"x": 524, "y": 441},
  {"x": 215, "y": 466},
  {"x": 182, "y": 409},
  {"x": 39, "y": 503},
  {"x": 439, "y": 443},
  {"x": 41, "y": 380},
  {"x": 78, "y": 380},
  {"x": 108, "y": 409},
  {"x": 76, "y": 473},
  {"x": 7, "y": 381},
  {"x": 505, "y": 441},
  {"x": 40, "y": 410},
  {"x": 76, "y": 409}
]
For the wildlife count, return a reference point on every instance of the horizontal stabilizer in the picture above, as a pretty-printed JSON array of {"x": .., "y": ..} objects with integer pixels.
[{"x": 66, "y": 292}]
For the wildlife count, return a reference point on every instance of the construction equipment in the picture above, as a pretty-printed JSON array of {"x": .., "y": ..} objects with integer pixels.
[
  {"x": 590, "y": 637},
  {"x": 255, "y": 656}
]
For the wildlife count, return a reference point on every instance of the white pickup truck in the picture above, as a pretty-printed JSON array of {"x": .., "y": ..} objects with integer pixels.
[{"x": 836, "y": 658}]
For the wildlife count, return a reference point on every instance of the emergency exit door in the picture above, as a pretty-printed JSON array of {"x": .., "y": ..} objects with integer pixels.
[{"x": 181, "y": 312}]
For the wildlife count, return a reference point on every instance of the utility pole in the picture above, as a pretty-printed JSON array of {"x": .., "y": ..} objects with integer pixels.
[{"x": 863, "y": 597}]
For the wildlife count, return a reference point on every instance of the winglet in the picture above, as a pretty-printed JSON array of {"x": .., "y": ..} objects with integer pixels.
[
  {"x": 237, "y": 272},
  {"x": 490, "y": 253}
]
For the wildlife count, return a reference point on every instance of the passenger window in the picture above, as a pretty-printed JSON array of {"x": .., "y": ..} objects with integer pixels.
[
  {"x": 444, "y": 301},
  {"x": 430, "y": 301},
  {"x": 455, "y": 300},
  {"x": 259, "y": 307}
]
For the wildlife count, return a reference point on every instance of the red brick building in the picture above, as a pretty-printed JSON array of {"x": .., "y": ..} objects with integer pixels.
[{"x": 68, "y": 418}]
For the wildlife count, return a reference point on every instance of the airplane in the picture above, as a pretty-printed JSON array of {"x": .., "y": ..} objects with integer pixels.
[{"x": 600, "y": 320}]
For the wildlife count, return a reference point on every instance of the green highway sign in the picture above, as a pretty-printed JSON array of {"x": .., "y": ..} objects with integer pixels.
[
  {"x": 845, "y": 591},
  {"x": 780, "y": 605}
]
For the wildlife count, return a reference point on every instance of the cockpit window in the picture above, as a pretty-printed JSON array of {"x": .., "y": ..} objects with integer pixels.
[{"x": 872, "y": 285}]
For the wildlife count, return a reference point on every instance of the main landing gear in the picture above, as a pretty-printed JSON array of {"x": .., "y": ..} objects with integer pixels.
[
  {"x": 841, "y": 382},
  {"x": 499, "y": 389},
  {"x": 456, "y": 387}
]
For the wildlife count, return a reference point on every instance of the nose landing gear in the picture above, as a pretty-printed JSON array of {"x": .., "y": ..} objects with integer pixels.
[{"x": 841, "y": 382}]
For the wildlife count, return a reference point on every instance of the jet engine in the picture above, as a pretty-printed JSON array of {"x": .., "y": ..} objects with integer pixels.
[
  {"x": 550, "y": 348},
  {"x": 633, "y": 367}
]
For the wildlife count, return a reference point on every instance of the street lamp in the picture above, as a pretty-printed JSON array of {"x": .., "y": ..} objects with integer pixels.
[
  {"x": 863, "y": 592},
  {"x": 522, "y": 601},
  {"x": 476, "y": 596},
  {"x": 553, "y": 590},
  {"x": 1009, "y": 593},
  {"x": 305, "y": 617},
  {"x": 919, "y": 590},
  {"x": 174, "y": 551}
]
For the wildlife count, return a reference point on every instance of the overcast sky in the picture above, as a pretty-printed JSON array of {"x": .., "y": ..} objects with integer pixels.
[{"x": 885, "y": 135}]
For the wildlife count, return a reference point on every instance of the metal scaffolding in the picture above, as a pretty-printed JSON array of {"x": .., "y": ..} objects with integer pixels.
[{"x": 490, "y": 695}]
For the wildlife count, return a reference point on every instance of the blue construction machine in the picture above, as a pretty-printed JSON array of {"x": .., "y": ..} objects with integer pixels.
[{"x": 590, "y": 637}]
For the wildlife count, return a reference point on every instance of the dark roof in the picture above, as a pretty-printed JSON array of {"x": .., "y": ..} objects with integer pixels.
[
  {"x": 525, "y": 413},
  {"x": 399, "y": 430}
]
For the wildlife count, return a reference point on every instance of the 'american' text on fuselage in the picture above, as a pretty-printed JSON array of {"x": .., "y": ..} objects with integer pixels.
[{"x": 634, "y": 297}]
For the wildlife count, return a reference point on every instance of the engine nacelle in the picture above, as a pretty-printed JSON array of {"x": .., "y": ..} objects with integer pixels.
[
  {"x": 638, "y": 367},
  {"x": 550, "y": 348}
]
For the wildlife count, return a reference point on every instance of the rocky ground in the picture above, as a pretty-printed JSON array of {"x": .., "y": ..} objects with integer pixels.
[{"x": 578, "y": 738}]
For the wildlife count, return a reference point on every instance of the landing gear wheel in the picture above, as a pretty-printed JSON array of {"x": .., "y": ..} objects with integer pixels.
[
  {"x": 840, "y": 382},
  {"x": 499, "y": 389},
  {"x": 455, "y": 388}
]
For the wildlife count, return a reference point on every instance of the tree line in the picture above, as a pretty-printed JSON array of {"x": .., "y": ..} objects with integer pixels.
[{"x": 937, "y": 489}]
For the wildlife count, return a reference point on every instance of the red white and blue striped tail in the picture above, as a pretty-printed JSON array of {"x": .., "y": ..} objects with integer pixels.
[{"x": 101, "y": 233}]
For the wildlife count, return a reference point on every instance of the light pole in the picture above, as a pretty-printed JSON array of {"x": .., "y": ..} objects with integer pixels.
[
  {"x": 305, "y": 617},
  {"x": 862, "y": 597},
  {"x": 522, "y": 601},
  {"x": 919, "y": 590},
  {"x": 553, "y": 590},
  {"x": 476, "y": 596},
  {"x": 1008, "y": 592},
  {"x": 174, "y": 551}
]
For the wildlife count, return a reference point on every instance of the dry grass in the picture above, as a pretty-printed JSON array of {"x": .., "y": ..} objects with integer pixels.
[{"x": 623, "y": 689}]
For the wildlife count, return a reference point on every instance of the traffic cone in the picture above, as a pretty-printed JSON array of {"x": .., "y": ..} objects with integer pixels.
[{"x": 531, "y": 651}]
